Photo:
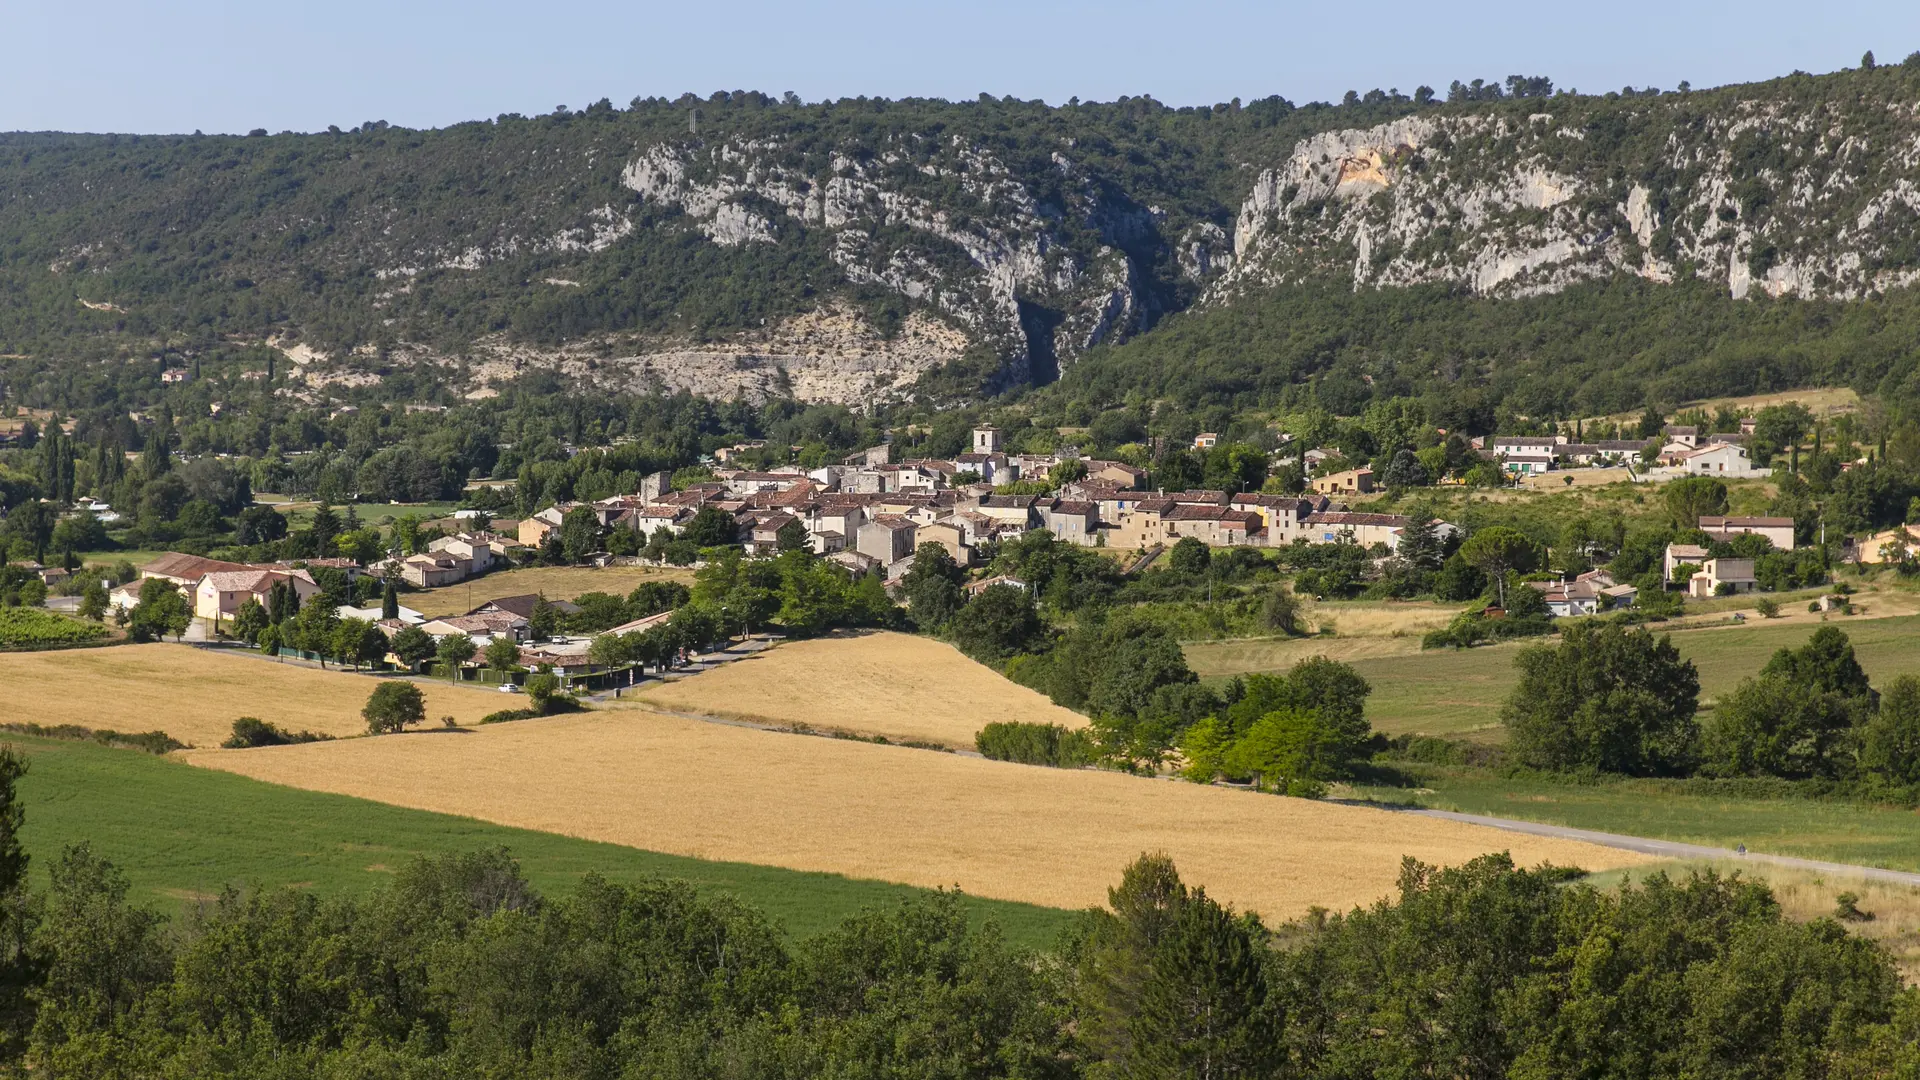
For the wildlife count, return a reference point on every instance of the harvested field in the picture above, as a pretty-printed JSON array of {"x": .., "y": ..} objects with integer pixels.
[
  {"x": 1571, "y": 478},
  {"x": 1055, "y": 837},
  {"x": 906, "y": 688},
  {"x": 195, "y": 695},
  {"x": 557, "y": 582},
  {"x": 1400, "y": 618}
]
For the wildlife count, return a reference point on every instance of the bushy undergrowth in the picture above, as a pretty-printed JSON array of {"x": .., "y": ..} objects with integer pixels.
[{"x": 1036, "y": 744}]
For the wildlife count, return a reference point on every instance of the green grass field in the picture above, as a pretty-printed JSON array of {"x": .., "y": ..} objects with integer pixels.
[
  {"x": 182, "y": 833},
  {"x": 1836, "y": 831},
  {"x": 1459, "y": 692}
]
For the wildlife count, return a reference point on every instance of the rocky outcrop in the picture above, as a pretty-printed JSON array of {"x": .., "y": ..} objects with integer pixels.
[
  {"x": 942, "y": 223},
  {"x": 1813, "y": 201},
  {"x": 833, "y": 355}
]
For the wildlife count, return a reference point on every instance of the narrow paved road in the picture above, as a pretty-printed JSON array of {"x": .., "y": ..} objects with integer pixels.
[{"x": 1670, "y": 849}]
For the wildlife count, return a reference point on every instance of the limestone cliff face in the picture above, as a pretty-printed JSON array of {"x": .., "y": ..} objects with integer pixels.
[
  {"x": 1814, "y": 200},
  {"x": 940, "y": 222}
]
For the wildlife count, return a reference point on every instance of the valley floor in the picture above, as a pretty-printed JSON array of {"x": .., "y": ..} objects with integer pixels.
[{"x": 1052, "y": 837}]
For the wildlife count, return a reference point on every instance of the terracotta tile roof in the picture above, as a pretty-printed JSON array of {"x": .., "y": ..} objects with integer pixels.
[
  {"x": 522, "y": 605},
  {"x": 1215, "y": 498},
  {"x": 1349, "y": 518}
]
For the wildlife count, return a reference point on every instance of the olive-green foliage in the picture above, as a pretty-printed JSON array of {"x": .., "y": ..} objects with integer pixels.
[
  {"x": 459, "y": 967},
  {"x": 998, "y": 624},
  {"x": 1331, "y": 690},
  {"x": 1167, "y": 983},
  {"x": 1891, "y": 743},
  {"x": 1802, "y": 716},
  {"x": 1484, "y": 970},
  {"x": 932, "y": 587},
  {"x": 393, "y": 706},
  {"x": 1065, "y": 577},
  {"x": 1036, "y": 744},
  {"x": 804, "y": 593},
  {"x": 1288, "y": 733},
  {"x": 1608, "y": 698},
  {"x": 252, "y": 731},
  {"x": 1690, "y": 497}
]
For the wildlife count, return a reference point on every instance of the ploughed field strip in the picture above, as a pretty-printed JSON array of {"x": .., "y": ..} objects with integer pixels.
[
  {"x": 195, "y": 694},
  {"x": 1052, "y": 837},
  {"x": 902, "y": 687}
]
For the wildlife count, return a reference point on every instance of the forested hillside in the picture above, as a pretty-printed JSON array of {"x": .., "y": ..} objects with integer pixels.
[{"x": 1568, "y": 252}]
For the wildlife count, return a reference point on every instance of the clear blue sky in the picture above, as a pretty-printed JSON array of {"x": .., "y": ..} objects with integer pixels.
[{"x": 219, "y": 65}]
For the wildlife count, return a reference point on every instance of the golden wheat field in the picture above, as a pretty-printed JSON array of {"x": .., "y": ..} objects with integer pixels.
[
  {"x": 1056, "y": 837},
  {"x": 555, "y": 582},
  {"x": 904, "y": 687},
  {"x": 195, "y": 695}
]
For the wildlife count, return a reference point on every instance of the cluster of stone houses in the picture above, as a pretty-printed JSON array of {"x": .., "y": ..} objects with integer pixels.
[
  {"x": 215, "y": 589},
  {"x": 1587, "y": 594},
  {"x": 1682, "y": 451},
  {"x": 449, "y": 560},
  {"x": 871, "y": 513},
  {"x": 1711, "y": 573}
]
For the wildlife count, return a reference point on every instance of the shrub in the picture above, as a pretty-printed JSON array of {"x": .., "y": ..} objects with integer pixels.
[
  {"x": 998, "y": 624},
  {"x": 1036, "y": 744},
  {"x": 153, "y": 742},
  {"x": 250, "y": 731},
  {"x": 1768, "y": 608},
  {"x": 394, "y": 705},
  {"x": 542, "y": 690}
]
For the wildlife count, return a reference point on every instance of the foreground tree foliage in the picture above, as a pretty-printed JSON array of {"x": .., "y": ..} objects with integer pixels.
[{"x": 459, "y": 968}]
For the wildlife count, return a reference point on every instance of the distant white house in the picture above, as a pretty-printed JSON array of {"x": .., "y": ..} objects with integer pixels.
[
  {"x": 1777, "y": 530},
  {"x": 1721, "y": 460},
  {"x": 1717, "y": 575},
  {"x": 1681, "y": 555}
]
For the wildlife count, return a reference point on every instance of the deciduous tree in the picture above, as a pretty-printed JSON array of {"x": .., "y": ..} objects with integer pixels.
[
  {"x": 1607, "y": 698},
  {"x": 394, "y": 706}
]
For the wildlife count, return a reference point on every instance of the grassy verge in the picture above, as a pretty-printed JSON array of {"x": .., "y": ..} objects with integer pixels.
[
  {"x": 183, "y": 833},
  {"x": 1837, "y": 831}
]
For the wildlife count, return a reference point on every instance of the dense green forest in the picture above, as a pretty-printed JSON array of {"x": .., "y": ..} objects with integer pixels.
[{"x": 1481, "y": 364}]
